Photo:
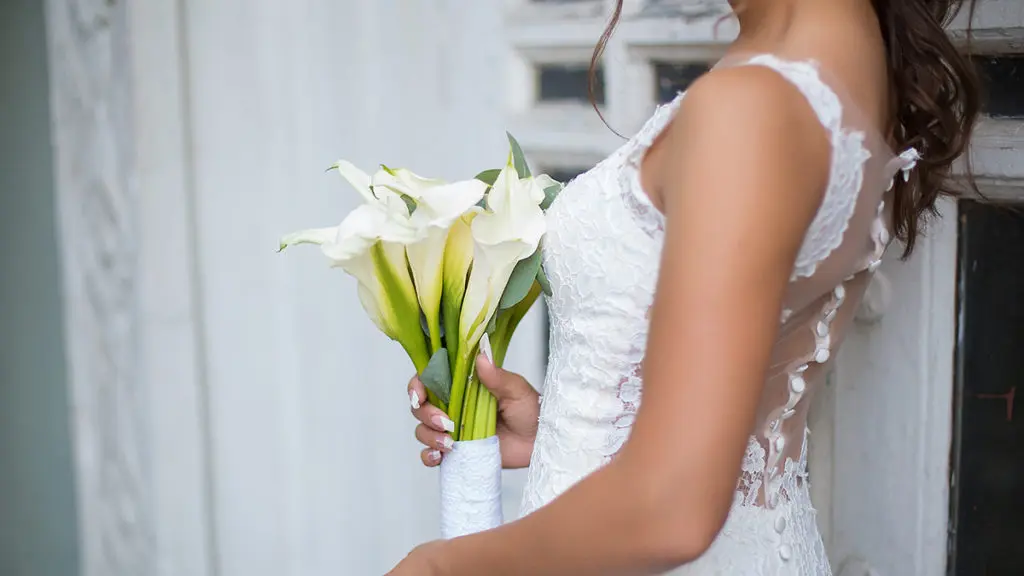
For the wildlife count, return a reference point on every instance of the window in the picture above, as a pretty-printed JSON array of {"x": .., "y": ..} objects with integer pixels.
[
  {"x": 569, "y": 82},
  {"x": 989, "y": 468},
  {"x": 565, "y": 175},
  {"x": 1003, "y": 79},
  {"x": 672, "y": 78}
]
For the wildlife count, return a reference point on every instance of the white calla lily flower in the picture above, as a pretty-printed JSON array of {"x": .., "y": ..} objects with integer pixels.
[
  {"x": 437, "y": 209},
  {"x": 370, "y": 245},
  {"x": 402, "y": 181},
  {"x": 507, "y": 232}
]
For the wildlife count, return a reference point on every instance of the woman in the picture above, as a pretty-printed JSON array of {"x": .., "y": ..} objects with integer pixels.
[{"x": 718, "y": 258}]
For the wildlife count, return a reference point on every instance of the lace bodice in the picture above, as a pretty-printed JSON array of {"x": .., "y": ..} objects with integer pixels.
[{"x": 601, "y": 255}]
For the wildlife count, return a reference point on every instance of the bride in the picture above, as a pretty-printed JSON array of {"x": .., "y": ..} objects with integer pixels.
[{"x": 712, "y": 266}]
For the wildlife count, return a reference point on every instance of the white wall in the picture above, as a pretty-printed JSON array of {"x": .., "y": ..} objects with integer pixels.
[{"x": 315, "y": 470}]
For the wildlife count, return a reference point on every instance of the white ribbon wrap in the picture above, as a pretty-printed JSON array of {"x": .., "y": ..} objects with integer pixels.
[{"x": 471, "y": 488}]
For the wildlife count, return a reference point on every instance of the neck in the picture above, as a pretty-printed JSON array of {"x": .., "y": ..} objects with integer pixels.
[
  {"x": 767, "y": 24},
  {"x": 764, "y": 21}
]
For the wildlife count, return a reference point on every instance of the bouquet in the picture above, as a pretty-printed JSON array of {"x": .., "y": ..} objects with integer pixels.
[{"x": 446, "y": 269}]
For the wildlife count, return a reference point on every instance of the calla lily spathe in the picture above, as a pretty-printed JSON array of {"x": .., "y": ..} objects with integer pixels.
[
  {"x": 369, "y": 244},
  {"x": 509, "y": 230},
  {"x": 438, "y": 208}
]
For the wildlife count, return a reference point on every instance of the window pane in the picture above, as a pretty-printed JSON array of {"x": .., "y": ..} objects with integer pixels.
[
  {"x": 568, "y": 82},
  {"x": 564, "y": 175},
  {"x": 988, "y": 489},
  {"x": 672, "y": 78},
  {"x": 1003, "y": 78}
]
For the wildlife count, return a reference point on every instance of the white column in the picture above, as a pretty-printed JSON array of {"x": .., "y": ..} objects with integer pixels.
[{"x": 98, "y": 216}]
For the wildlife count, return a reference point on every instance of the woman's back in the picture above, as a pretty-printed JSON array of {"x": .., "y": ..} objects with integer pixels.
[{"x": 602, "y": 258}]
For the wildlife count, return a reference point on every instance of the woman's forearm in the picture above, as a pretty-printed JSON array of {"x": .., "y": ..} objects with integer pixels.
[{"x": 612, "y": 522}]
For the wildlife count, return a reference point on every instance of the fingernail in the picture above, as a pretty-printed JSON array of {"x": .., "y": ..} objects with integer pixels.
[
  {"x": 446, "y": 442},
  {"x": 485, "y": 348},
  {"x": 414, "y": 399},
  {"x": 444, "y": 422},
  {"x": 434, "y": 455}
]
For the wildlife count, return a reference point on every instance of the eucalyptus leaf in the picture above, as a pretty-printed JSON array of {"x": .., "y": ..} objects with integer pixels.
[
  {"x": 542, "y": 279},
  {"x": 437, "y": 376},
  {"x": 550, "y": 193},
  {"x": 489, "y": 177},
  {"x": 518, "y": 158},
  {"x": 520, "y": 281},
  {"x": 409, "y": 203}
]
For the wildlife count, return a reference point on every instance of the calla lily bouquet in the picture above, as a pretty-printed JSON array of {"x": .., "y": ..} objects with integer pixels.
[{"x": 443, "y": 268}]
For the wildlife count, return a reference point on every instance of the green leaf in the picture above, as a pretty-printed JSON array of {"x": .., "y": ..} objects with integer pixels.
[
  {"x": 409, "y": 203},
  {"x": 518, "y": 158},
  {"x": 542, "y": 279},
  {"x": 550, "y": 193},
  {"x": 520, "y": 281},
  {"x": 488, "y": 177},
  {"x": 437, "y": 376}
]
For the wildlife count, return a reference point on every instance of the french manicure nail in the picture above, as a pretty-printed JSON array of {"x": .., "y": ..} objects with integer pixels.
[
  {"x": 445, "y": 423},
  {"x": 485, "y": 348},
  {"x": 414, "y": 399},
  {"x": 447, "y": 442},
  {"x": 434, "y": 455}
]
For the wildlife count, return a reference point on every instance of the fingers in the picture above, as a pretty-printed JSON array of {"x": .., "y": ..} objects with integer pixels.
[
  {"x": 434, "y": 439},
  {"x": 430, "y": 457},
  {"x": 503, "y": 384},
  {"x": 417, "y": 393},
  {"x": 426, "y": 413}
]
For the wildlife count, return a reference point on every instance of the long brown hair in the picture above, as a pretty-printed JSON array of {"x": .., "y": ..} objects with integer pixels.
[{"x": 935, "y": 96}]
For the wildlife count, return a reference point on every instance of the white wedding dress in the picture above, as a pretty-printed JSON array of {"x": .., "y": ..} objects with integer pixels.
[{"x": 601, "y": 255}]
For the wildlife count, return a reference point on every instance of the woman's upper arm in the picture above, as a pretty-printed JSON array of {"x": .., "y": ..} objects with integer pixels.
[{"x": 742, "y": 172}]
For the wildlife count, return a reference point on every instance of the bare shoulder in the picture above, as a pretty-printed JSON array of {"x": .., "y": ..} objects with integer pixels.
[{"x": 746, "y": 129}]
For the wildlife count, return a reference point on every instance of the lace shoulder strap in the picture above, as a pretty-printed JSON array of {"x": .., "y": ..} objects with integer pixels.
[{"x": 846, "y": 176}]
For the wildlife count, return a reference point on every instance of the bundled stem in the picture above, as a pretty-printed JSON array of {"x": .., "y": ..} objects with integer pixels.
[{"x": 473, "y": 408}]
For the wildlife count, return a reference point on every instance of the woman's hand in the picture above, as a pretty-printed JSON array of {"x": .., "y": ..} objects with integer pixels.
[
  {"x": 518, "y": 411},
  {"x": 425, "y": 560}
]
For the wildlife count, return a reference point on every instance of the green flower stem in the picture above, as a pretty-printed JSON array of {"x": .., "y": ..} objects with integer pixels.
[
  {"x": 492, "y": 418},
  {"x": 450, "y": 316},
  {"x": 484, "y": 401},
  {"x": 434, "y": 327},
  {"x": 469, "y": 407},
  {"x": 461, "y": 387}
]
